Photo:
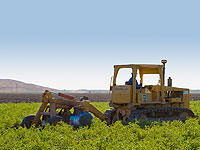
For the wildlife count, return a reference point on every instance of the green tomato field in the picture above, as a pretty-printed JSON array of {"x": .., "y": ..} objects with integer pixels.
[{"x": 165, "y": 135}]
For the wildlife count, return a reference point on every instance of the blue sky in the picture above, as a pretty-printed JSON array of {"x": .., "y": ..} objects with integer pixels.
[{"x": 74, "y": 44}]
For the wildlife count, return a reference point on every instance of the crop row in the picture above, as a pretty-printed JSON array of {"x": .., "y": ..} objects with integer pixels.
[{"x": 166, "y": 135}]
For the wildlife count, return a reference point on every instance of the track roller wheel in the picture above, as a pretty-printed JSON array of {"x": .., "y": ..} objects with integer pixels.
[
  {"x": 142, "y": 117},
  {"x": 184, "y": 115},
  {"x": 54, "y": 120},
  {"x": 85, "y": 120},
  {"x": 109, "y": 116},
  {"x": 28, "y": 121}
]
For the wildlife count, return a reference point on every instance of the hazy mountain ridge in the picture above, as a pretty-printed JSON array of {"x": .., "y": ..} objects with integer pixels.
[{"x": 14, "y": 86}]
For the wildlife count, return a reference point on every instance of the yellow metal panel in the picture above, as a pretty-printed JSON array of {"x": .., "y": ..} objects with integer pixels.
[
  {"x": 144, "y": 95},
  {"x": 186, "y": 98},
  {"x": 134, "y": 70},
  {"x": 144, "y": 98},
  {"x": 121, "y": 94}
]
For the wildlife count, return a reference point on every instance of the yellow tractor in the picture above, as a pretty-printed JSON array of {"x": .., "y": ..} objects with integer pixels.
[
  {"x": 147, "y": 102},
  {"x": 130, "y": 101}
]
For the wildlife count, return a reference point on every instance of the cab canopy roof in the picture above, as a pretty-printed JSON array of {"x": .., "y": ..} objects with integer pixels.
[{"x": 143, "y": 68}]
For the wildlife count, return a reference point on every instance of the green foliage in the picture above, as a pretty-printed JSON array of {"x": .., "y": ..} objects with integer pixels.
[{"x": 168, "y": 135}]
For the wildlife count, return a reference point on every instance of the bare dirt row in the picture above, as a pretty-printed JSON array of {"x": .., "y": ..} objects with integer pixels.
[{"x": 31, "y": 98}]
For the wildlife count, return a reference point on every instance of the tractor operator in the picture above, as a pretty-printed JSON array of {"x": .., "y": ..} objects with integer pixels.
[{"x": 130, "y": 82}]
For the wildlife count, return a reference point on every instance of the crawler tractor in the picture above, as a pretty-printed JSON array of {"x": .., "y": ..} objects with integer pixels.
[
  {"x": 130, "y": 101},
  {"x": 147, "y": 102}
]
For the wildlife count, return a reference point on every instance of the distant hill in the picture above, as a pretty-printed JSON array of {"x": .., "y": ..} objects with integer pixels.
[{"x": 13, "y": 86}]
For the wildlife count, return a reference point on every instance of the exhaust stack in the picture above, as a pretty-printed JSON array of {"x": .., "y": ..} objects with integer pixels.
[
  {"x": 170, "y": 82},
  {"x": 164, "y": 62}
]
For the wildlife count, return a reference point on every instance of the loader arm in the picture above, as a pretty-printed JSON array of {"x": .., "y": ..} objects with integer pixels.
[
  {"x": 67, "y": 103},
  {"x": 38, "y": 115},
  {"x": 84, "y": 105},
  {"x": 96, "y": 112}
]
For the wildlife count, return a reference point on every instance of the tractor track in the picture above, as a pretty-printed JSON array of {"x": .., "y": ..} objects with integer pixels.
[{"x": 172, "y": 113}]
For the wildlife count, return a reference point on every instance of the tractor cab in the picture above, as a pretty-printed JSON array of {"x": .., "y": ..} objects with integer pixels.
[{"x": 135, "y": 92}]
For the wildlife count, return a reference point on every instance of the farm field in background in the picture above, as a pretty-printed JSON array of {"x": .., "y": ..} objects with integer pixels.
[
  {"x": 174, "y": 135},
  {"x": 36, "y": 97}
]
